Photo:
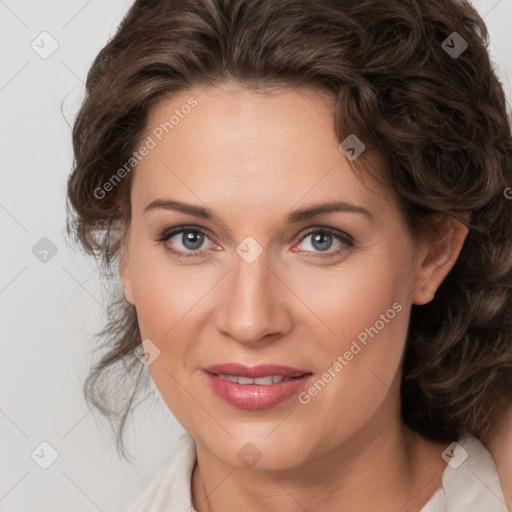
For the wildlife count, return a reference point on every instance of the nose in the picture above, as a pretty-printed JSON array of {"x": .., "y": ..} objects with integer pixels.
[{"x": 253, "y": 305}]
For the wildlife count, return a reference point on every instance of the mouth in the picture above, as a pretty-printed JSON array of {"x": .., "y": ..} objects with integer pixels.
[{"x": 256, "y": 387}]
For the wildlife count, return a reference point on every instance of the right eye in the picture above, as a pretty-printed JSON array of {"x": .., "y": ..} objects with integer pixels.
[{"x": 191, "y": 239}]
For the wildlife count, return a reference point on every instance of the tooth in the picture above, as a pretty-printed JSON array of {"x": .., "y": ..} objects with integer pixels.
[
  {"x": 264, "y": 380},
  {"x": 245, "y": 380},
  {"x": 231, "y": 378}
]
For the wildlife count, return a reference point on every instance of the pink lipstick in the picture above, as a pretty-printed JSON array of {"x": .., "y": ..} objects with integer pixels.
[{"x": 255, "y": 387}]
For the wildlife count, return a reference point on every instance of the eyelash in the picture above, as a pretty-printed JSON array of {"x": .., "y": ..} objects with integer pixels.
[{"x": 342, "y": 237}]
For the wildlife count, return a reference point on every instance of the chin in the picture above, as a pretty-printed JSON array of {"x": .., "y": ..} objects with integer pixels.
[{"x": 257, "y": 450}]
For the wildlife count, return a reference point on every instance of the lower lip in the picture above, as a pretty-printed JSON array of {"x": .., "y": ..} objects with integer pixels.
[{"x": 255, "y": 396}]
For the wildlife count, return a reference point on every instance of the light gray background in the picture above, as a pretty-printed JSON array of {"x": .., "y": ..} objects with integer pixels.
[{"x": 49, "y": 309}]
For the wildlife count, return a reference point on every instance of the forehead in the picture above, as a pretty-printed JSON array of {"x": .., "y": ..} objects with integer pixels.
[{"x": 249, "y": 150}]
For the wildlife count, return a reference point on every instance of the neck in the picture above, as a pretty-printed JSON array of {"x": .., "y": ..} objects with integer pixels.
[{"x": 375, "y": 469}]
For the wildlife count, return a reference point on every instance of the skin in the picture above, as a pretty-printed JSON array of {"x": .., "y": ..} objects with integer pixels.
[{"x": 252, "y": 158}]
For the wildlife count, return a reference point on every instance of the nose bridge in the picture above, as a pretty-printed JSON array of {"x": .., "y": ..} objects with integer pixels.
[{"x": 249, "y": 306}]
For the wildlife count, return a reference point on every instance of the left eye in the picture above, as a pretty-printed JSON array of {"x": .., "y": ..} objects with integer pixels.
[{"x": 322, "y": 240}]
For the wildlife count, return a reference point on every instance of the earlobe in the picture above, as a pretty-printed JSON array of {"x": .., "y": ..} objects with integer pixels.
[{"x": 441, "y": 255}]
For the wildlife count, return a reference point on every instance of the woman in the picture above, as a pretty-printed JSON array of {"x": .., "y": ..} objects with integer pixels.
[{"x": 305, "y": 202}]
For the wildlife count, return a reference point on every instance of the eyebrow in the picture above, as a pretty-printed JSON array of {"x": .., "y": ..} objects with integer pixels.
[{"x": 292, "y": 218}]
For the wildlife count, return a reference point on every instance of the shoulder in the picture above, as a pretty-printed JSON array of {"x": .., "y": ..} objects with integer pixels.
[
  {"x": 470, "y": 480},
  {"x": 167, "y": 486}
]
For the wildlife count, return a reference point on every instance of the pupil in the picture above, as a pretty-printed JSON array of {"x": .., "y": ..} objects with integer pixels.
[
  {"x": 192, "y": 240},
  {"x": 319, "y": 241}
]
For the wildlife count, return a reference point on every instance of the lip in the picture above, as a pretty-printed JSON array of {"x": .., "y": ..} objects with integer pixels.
[{"x": 255, "y": 396}]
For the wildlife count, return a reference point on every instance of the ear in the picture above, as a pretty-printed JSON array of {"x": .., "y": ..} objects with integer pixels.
[
  {"x": 124, "y": 273},
  {"x": 437, "y": 257}
]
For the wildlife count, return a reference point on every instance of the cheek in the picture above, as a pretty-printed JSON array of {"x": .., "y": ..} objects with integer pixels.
[
  {"x": 167, "y": 303},
  {"x": 164, "y": 291},
  {"x": 360, "y": 331},
  {"x": 171, "y": 302},
  {"x": 352, "y": 298}
]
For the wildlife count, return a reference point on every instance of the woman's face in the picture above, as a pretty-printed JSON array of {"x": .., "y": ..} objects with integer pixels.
[{"x": 258, "y": 283}]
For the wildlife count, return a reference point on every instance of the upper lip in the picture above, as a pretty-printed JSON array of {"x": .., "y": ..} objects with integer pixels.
[{"x": 261, "y": 370}]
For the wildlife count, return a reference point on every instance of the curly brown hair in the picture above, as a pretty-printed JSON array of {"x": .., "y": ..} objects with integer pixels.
[{"x": 439, "y": 119}]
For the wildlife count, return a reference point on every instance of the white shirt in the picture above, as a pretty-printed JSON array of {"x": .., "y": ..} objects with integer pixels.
[{"x": 469, "y": 484}]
